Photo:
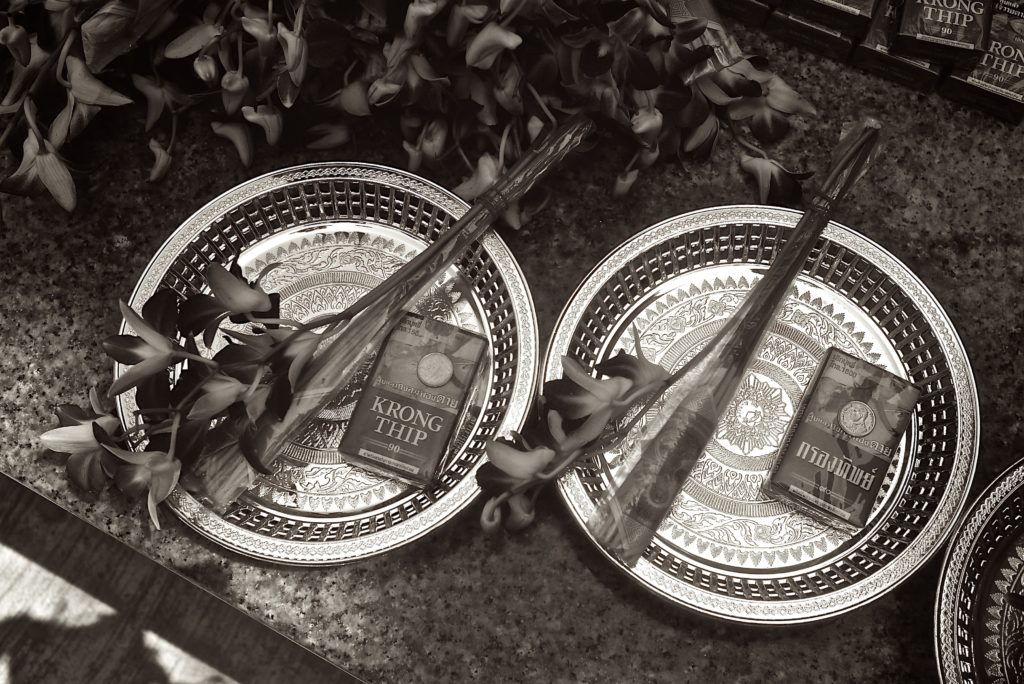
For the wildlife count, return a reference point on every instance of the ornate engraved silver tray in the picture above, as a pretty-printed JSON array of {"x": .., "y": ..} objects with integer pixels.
[
  {"x": 338, "y": 230},
  {"x": 726, "y": 549},
  {"x": 979, "y": 618}
]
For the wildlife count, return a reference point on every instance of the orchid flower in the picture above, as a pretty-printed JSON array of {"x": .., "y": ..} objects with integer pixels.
[
  {"x": 768, "y": 112},
  {"x": 154, "y": 473},
  {"x": 776, "y": 184},
  {"x": 158, "y": 95},
  {"x": 148, "y": 352},
  {"x": 89, "y": 465}
]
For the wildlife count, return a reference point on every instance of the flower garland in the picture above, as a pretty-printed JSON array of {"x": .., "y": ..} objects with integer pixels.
[{"x": 475, "y": 81}]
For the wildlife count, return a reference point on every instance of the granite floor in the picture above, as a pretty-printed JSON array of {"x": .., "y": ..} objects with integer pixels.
[{"x": 542, "y": 606}]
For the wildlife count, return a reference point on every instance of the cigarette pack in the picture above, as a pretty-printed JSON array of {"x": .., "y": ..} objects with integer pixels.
[
  {"x": 413, "y": 398},
  {"x": 953, "y": 32},
  {"x": 844, "y": 438},
  {"x": 996, "y": 83},
  {"x": 873, "y": 54}
]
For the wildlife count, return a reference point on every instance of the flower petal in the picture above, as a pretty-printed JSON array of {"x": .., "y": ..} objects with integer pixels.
[
  {"x": 86, "y": 470},
  {"x": 520, "y": 512},
  {"x": 192, "y": 41},
  {"x": 238, "y": 134},
  {"x": 330, "y": 136},
  {"x": 521, "y": 465},
  {"x": 234, "y": 293},
  {"x": 56, "y": 177},
  {"x": 489, "y": 43},
  {"x": 89, "y": 89},
  {"x": 786, "y": 100},
  {"x": 144, "y": 330},
  {"x": 139, "y": 372},
  {"x": 760, "y": 169},
  {"x": 72, "y": 439},
  {"x": 161, "y": 161}
]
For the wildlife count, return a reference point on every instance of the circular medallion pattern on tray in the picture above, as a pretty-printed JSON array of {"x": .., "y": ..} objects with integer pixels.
[
  {"x": 337, "y": 230},
  {"x": 726, "y": 549},
  {"x": 979, "y": 615}
]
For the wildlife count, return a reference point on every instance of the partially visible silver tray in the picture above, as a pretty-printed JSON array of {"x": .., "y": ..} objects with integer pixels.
[
  {"x": 726, "y": 549},
  {"x": 979, "y": 618},
  {"x": 338, "y": 230}
]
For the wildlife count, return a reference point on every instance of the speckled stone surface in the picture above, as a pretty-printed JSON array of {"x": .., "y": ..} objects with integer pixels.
[{"x": 947, "y": 199}]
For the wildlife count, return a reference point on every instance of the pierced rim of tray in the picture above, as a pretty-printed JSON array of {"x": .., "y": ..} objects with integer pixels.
[
  {"x": 726, "y": 550},
  {"x": 341, "y": 228},
  {"x": 979, "y": 636}
]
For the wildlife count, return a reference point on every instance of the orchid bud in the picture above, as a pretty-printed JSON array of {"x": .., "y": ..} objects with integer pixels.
[
  {"x": 16, "y": 39},
  {"x": 161, "y": 162},
  {"x": 295, "y": 52},
  {"x": 268, "y": 117},
  {"x": 76, "y": 439},
  {"x": 488, "y": 44},
  {"x": 646, "y": 125},
  {"x": 234, "y": 86},
  {"x": 238, "y": 134},
  {"x": 434, "y": 139},
  {"x": 353, "y": 99},
  {"x": 206, "y": 68}
]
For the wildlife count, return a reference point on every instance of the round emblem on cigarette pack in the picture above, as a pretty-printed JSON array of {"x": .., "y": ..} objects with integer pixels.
[
  {"x": 857, "y": 419},
  {"x": 434, "y": 369}
]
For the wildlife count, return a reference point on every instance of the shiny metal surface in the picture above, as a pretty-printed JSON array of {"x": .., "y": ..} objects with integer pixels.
[
  {"x": 979, "y": 616},
  {"x": 338, "y": 230},
  {"x": 726, "y": 549}
]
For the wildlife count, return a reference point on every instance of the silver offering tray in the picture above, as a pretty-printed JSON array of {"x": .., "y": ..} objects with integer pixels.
[
  {"x": 727, "y": 549},
  {"x": 979, "y": 617},
  {"x": 338, "y": 230}
]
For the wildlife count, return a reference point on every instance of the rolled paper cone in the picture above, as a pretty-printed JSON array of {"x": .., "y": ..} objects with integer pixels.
[
  {"x": 381, "y": 309},
  {"x": 672, "y": 441}
]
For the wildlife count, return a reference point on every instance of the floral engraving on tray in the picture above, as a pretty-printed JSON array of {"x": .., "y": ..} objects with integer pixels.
[
  {"x": 721, "y": 514},
  {"x": 322, "y": 275}
]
